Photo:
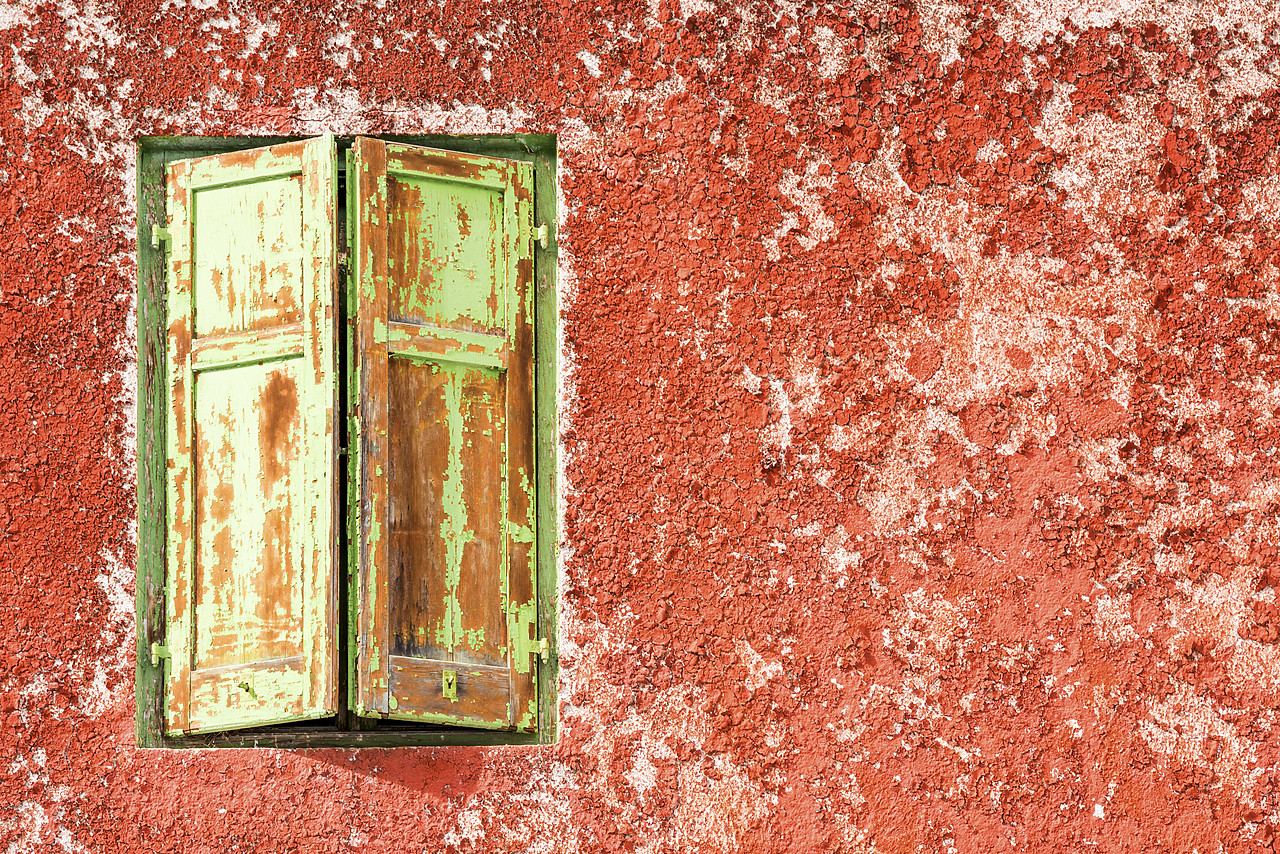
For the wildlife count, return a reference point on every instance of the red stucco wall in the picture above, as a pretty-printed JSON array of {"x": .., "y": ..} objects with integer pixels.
[{"x": 920, "y": 400}]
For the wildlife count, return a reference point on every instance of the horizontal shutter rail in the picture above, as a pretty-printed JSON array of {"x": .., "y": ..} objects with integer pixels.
[
  {"x": 490, "y": 183},
  {"x": 448, "y": 165},
  {"x": 237, "y": 349},
  {"x": 220, "y": 179},
  {"x": 482, "y": 693},
  {"x": 409, "y": 662},
  {"x": 431, "y": 343},
  {"x": 241, "y": 698},
  {"x": 245, "y": 167},
  {"x": 288, "y": 662},
  {"x": 270, "y": 257}
]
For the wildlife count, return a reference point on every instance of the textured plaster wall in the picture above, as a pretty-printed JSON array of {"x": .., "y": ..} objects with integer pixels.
[{"x": 920, "y": 400}]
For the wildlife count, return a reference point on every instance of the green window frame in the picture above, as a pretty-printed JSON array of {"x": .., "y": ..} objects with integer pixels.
[{"x": 355, "y": 692}]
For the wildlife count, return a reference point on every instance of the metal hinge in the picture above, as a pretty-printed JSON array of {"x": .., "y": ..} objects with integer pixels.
[
  {"x": 159, "y": 651},
  {"x": 542, "y": 234},
  {"x": 159, "y": 234},
  {"x": 523, "y": 629}
]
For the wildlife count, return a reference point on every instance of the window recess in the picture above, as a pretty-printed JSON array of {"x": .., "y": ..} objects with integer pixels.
[{"x": 346, "y": 442}]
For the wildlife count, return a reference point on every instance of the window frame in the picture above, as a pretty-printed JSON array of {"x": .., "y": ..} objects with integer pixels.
[{"x": 153, "y": 155}]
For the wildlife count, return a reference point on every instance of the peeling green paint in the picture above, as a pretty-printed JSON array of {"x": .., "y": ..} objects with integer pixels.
[{"x": 529, "y": 718}]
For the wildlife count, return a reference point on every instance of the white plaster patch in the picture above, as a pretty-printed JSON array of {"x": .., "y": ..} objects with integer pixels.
[
  {"x": 345, "y": 110},
  {"x": 715, "y": 815},
  {"x": 838, "y": 558},
  {"x": 1109, "y": 169},
  {"x": 26, "y": 829},
  {"x": 942, "y": 28},
  {"x": 715, "y": 811},
  {"x": 759, "y": 671},
  {"x": 1189, "y": 728},
  {"x": 990, "y": 152},
  {"x": 87, "y": 24},
  {"x": 643, "y": 775},
  {"x": 1111, "y": 621},
  {"x": 15, "y": 14},
  {"x": 67, "y": 842},
  {"x": 116, "y": 581},
  {"x": 778, "y": 434},
  {"x": 689, "y": 8},
  {"x": 590, "y": 61},
  {"x": 806, "y": 193},
  {"x": 1261, "y": 199},
  {"x": 470, "y": 828},
  {"x": 832, "y": 51},
  {"x": 925, "y": 627},
  {"x": 1030, "y": 21},
  {"x": 338, "y": 49},
  {"x": 806, "y": 386}
]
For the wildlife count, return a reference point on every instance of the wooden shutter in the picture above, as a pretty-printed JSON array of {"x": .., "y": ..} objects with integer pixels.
[
  {"x": 251, "y": 600},
  {"x": 444, "y": 452}
]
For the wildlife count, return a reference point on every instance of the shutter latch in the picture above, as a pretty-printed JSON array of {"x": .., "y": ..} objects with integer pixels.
[
  {"x": 158, "y": 651},
  {"x": 542, "y": 234},
  {"x": 450, "y": 685}
]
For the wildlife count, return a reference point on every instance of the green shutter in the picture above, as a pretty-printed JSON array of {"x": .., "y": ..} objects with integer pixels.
[
  {"x": 443, "y": 448},
  {"x": 250, "y": 552}
]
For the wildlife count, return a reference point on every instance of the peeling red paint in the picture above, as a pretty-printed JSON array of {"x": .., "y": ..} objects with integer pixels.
[{"x": 921, "y": 485}]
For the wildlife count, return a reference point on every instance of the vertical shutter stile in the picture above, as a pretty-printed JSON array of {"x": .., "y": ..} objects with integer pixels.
[
  {"x": 180, "y": 539},
  {"x": 369, "y": 405}
]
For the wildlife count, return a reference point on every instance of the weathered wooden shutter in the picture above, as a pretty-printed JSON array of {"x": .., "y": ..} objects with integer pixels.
[
  {"x": 443, "y": 405},
  {"x": 251, "y": 599}
]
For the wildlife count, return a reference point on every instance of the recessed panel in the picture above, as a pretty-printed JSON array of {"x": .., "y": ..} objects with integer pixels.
[
  {"x": 248, "y": 255},
  {"x": 446, "y": 511},
  {"x": 250, "y": 517},
  {"x": 446, "y": 250}
]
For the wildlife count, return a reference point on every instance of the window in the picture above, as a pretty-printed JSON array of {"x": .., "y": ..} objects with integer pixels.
[{"x": 346, "y": 441}]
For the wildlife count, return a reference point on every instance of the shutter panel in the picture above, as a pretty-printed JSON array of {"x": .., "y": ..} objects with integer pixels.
[
  {"x": 251, "y": 600},
  {"x": 443, "y": 403}
]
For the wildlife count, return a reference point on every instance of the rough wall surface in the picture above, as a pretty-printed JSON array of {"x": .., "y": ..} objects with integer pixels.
[{"x": 921, "y": 397}]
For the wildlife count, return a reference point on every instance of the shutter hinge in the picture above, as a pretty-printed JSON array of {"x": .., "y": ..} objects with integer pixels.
[
  {"x": 159, "y": 651},
  {"x": 542, "y": 234},
  {"x": 159, "y": 234},
  {"x": 542, "y": 649}
]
